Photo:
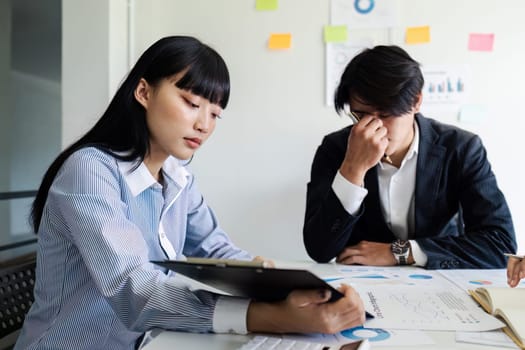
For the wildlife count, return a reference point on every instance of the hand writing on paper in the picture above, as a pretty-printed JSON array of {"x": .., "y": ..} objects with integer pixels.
[
  {"x": 308, "y": 311},
  {"x": 369, "y": 253}
]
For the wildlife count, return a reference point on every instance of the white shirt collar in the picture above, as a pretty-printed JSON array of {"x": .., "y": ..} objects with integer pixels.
[
  {"x": 414, "y": 146},
  {"x": 412, "y": 150},
  {"x": 140, "y": 179}
]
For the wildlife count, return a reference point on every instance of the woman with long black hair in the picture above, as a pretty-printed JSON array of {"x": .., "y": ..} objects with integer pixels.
[{"x": 121, "y": 197}]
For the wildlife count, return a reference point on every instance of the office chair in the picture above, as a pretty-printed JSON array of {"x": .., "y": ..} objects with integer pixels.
[{"x": 17, "y": 279}]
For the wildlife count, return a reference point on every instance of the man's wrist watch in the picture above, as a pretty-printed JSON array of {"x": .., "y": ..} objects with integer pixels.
[{"x": 401, "y": 251}]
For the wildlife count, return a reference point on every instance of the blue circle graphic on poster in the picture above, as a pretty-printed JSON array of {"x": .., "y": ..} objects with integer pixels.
[
  {"x": 364, "y": 8},
  {"x": 372, "y": 334}
]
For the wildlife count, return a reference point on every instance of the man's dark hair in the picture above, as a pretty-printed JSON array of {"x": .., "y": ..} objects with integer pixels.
[{"x": 384, "y": 77}]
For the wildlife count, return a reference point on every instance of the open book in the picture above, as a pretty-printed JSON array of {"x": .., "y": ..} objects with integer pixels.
[{"x": 508, "y": 304}]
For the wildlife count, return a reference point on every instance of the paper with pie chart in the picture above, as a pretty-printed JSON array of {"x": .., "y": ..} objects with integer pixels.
[
  {"x": 412, "y": 298},
  {"x": 406, "y": 307},
  {"x": 471, "y": 279}
]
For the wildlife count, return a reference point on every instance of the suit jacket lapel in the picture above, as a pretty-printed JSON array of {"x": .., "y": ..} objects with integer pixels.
[{"x": 428, "y": 174}]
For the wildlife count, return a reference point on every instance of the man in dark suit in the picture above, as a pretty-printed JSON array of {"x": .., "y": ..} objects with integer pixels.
[{"x": 399, "y": 188}]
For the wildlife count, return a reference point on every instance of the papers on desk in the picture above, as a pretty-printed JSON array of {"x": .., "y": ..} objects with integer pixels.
[
  {"x": 492, "y": 338},
  {"x": 411, "y": 298},
  {"x": 408, "y": 307},
  {"x": 467, "y": 279},
  {"x": 376, "y": 337}
]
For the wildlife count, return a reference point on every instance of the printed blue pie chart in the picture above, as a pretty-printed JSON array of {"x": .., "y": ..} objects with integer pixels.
[
  {"x": 364, "y": 6},
  {"x": 372, "y": 334}
]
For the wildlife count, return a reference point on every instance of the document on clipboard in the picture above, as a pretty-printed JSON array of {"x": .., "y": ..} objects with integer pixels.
[{"x": 248, "y": 279}]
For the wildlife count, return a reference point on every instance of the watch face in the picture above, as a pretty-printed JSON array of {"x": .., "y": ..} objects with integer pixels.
[
  {"x": 401, "y": 251},
  {"x": 400, "y": 247}
]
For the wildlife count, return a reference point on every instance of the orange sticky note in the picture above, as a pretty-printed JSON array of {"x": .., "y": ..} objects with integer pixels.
[
  {"x": 480, "y": 42},
  {"x": 280, "y": 41},
  {"x": 417, "y": 35}
]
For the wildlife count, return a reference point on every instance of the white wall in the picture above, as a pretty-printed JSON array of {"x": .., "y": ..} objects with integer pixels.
[
  {"x": 254, "y": 170},
  {"x": 94, "y": 60}
]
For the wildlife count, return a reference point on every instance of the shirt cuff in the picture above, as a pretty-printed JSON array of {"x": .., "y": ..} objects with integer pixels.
[
  {"x": 230, "y": 315},
  {"x": 351, "y": 196},
  {"x": 420, "y": 258}
]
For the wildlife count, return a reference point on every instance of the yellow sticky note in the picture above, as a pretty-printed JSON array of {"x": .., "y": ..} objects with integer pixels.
[
  {"x": 266, "y": 5},
  {"x": 418, "y": 35},
  {"x": 280, "y": 41},
  {"x": 335, "y": 34}
]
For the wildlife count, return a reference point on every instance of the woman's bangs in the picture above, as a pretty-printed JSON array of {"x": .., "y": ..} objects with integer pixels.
[{"x": 210, "y": 82}]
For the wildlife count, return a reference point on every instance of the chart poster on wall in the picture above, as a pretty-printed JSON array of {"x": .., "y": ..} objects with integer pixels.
[
  {"x": 359, "y": 14},
  {"x": 446, "y": 88},
  {"x": 337, "y": 57}
]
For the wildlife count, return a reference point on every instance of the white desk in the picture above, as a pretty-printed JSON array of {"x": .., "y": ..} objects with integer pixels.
[{"x": 181, "y": 340}]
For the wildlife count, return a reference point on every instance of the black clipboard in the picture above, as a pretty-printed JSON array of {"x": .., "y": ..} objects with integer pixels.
[{"x": 250, "y": 280}]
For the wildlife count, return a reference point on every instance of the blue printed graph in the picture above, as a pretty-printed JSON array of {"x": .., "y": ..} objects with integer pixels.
[
  {"x": 331, "y": 279},
  {"x": 420, "y": 277},
  {"x": 480, "y": 282},
  {"x": 371, "y": 276},
  {"x": 372, "y": 334}
]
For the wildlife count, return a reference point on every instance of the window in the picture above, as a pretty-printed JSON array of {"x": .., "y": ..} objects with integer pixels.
[{"x": 30, "y": 109}]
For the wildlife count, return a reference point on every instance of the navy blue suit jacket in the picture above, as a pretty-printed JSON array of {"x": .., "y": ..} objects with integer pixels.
[{"x": 461, "y": 217}]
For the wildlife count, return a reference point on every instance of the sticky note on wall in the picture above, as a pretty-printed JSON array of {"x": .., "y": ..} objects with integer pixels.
[
  {"x": 266, "y": 5},
  {"x": 472, "y": 114},
  {"x": 417, "y": 35},
  {"x": 279, "y": 41},
  {"x": 480, "y": 42},
  {"x": 335, "y": 34}
]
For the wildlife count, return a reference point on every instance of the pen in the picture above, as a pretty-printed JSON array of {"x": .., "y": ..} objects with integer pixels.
[
  {"x": 356, "y": 118},
  {"x": 514, "y": 256}
]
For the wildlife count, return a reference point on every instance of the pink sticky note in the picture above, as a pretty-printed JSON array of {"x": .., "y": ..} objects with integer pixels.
[{"x": 480, "y": 42}]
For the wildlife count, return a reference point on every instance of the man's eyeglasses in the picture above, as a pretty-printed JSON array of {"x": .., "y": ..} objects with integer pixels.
[{"x": 357, "y": 116}]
